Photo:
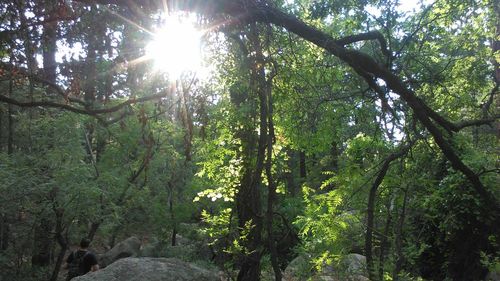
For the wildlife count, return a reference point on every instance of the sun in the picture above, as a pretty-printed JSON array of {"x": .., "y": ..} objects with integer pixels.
[{"x": 176, "y": 47}]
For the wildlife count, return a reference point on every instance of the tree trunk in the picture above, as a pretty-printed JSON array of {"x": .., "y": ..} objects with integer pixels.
[
  {"x": 170, "y": 190},
  {"x": 399, "y": 239},
  {"x": 61, "y": 240},
  {"x": 248, "y": 198},
  {"x": 384, "y": 245},
  {"x": 370, "y": 222},
  {"x": 289, "y": 172},
  {"x": 271, "y": 197},
  {"x": 302, "y": 164},
  {"x": 49, "y": 40},
  {"x": 89, "y": 85},
  {"x": 371, "y": 210},
  {"x": 4, "y": 232},
  {"x": 335, "y": 153},
  {"x": 42, "y": 243},
  {"x": 94, "y": 226},
  {"x": 10, "y": 120},
  {"x": 187, "y": 122}
]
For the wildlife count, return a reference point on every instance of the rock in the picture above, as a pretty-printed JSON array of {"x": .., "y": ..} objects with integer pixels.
[
  {"x": 153, "y": 249},
  {"x": 183, "y": 252},
  {"x": 351, "y": 268},
  {"x": 493, "y": 276},
  {"x": 150, "y": 269},
  {"x": 129, "y": 247},
  {"x": 186, "y": 249},
  {"x": 180, "y": 240},
  {"x": 355, "y": 264},
  {"x": 297, "y": 269},
  {"x": 340, "y": 278}
]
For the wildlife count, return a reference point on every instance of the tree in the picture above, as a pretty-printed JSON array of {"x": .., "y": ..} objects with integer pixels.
[{"x": 360, "y": 100}]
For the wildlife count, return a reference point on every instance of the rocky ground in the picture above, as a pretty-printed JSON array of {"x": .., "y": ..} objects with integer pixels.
[{"x": 135, "y": 259}]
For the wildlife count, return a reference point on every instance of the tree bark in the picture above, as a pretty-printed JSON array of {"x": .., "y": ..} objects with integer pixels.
[
  {"x": 42, "y": 243},
  {"x": 49, "y": 40},
  {"x": 170, "y": 190},
  {"x": 271, "y": 197},
  {"x": 248, "y": 198},
  {"x": 187, "y": 122},
  {"x": 399, "y": 239},
  {"x": 10, "y": 120},
  {"x": 1, "y": 130},
  {"x": 384, "y": 245},
  {"x": 288, "y": 174},
  {"x": 61, "y": 240},
  {"x": 371, "y": 208},
  {"x": 302, "y": 164},
  {"x": 90, "y": 73},
  {"x": 4, "y": 232}
]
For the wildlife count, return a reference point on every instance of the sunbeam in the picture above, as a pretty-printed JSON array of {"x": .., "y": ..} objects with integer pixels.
[{"x": 175, "y": 47}]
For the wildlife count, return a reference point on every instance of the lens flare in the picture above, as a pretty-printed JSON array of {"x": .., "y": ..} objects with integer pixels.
[{"x": 176, "y": 47}]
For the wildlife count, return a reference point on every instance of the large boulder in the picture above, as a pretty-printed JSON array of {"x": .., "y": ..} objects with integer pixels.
[
  {"x": 130, "y": 247},
  {"x": 150, "y": 269}
]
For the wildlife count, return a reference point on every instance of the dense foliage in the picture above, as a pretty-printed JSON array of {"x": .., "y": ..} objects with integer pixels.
[{"x": 293, "y": 145}]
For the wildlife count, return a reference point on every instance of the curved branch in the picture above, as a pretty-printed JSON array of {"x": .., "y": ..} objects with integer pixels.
[
  {"x": 45, "y": 104},
  {"x": 91, "y": 112},
  {"x": 36, "y": 78},
  {"x": 371, "y": 206},
  {"x": 372, "y": 35}
]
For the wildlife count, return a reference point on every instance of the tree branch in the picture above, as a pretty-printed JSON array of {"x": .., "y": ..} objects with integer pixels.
[
  {"x": 479, "y": 122},
  {"x": 371, "y": 206},
  {"x": 372, "y": 35},
  {"x": 36, "y": 78},
  {"x": 91, "y": 112}
]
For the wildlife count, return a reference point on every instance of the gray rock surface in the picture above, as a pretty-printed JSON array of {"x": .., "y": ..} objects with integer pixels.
[
  {"x": 150, "y": 269},
  {"x": 298, "y": 269},
  {"x": 355, "y": 264},
  {"x": 130, "y": 247},
  {"x": 151, "y": 249},
  {"x": 493, "y": 276}
]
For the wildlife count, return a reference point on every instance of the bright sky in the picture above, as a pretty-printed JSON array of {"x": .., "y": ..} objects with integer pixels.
[
  {"x": 406, "y": 6},
  {"x": 176, "y": 46}
]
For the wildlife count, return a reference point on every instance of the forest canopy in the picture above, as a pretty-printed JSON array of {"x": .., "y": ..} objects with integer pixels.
[{"x": 272, "y": 134}]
